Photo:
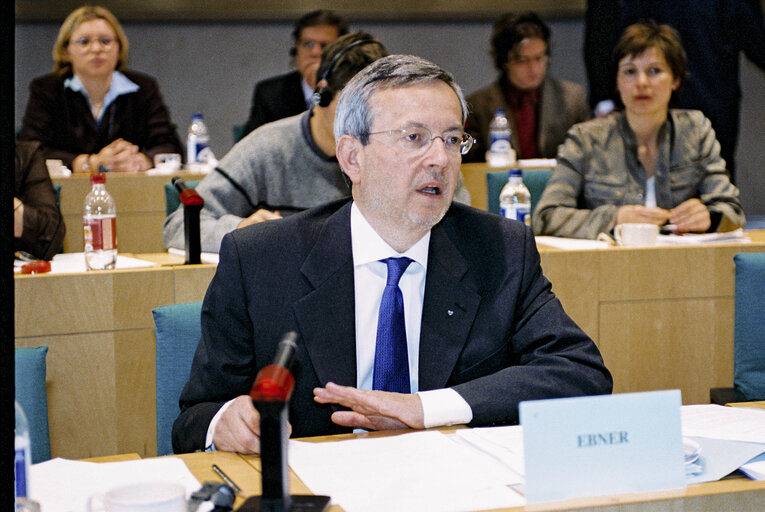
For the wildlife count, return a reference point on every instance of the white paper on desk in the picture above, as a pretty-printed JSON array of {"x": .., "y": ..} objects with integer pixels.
[
  {"x": 755, "y": 468},
  {"x": 62, "y": 485},
  {"x": 572, "y": 244},
  {"x": 204, "y": 257},
  {"x": 704, "y": 238},
  {"x": 413, "y": 471},
  {"x": 720, "y": 457},
  {"x": 505, "y": 444},
  {"x": 719, "y": 422},
  {"x": 75, "y": 262}
]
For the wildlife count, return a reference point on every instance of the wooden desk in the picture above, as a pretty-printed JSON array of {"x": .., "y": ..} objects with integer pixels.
[
  {"x": 661, "y": 316},
  {"x": 731, "y": 495},
  {"x": 100, "y": 330},
  {"x": 140, "y": 200}
]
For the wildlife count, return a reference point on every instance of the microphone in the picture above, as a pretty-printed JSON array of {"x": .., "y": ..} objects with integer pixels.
[
  {"x": 189, "y": 196},
  {"x": 275, "y": 381}
]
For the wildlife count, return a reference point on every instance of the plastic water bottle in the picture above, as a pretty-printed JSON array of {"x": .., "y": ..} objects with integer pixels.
[
  {"x": 500, "y": 153},
  {"x": 515, "y": 199},
  {"x": 23, "y": 454},
  {"x": 198, "y": 140},
  {"x": 99, "y": 226}
]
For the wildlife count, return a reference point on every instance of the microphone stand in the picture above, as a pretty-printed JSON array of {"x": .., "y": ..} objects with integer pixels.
[
  {"x": 270, "y": 395},
  {"x": 192, "y": 206}
]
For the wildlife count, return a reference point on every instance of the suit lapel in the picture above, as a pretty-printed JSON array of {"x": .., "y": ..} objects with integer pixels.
[
  {"x": 326, "y": 315},
  {"x": 449, "y": 309}
]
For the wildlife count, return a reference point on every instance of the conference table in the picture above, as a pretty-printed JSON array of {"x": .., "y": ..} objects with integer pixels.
[
  {"x": 731, "y": 494},
  {"x": 140, "y": 201},
  {"x": 661, "y": 316}
]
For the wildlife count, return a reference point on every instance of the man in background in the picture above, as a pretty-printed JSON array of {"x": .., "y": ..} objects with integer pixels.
[
  {"x": 290, "y": 94},
  {"x": 282, "y": 167},
  {"x": 540, "y": 109}
]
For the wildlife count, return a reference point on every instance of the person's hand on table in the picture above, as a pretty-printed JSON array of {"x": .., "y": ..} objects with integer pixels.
[
  {"x": 372, "y": 410},
  {"x": 636, "y": 213},
  {"x": 690, "y": 216},
  {"x": 238, "y": 429},
  {"x": 122, "y": 156},
  {"x": 259, "y": 216}
]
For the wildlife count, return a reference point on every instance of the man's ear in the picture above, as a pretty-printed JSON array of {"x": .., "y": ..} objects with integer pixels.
[{"x": 348, "y": 150}]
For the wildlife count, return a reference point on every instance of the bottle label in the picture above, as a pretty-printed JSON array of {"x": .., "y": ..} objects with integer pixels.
[
  {"x": 99, "y": 232},
  {"x": 197, "y": 149},
  {"x": 519, "y": 212},
  {"x": 499, "y": 144}
]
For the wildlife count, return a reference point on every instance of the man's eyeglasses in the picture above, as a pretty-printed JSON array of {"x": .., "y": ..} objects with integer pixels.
[
  {"x": 310, "y": 44},
  {"x": 84, "y": 43},
  {"x": 417, "y": 139}
]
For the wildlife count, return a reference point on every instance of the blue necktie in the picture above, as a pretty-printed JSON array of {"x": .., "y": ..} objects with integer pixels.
[{"x": 391, "y": 372}]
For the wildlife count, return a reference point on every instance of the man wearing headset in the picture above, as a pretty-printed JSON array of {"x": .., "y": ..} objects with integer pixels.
[
  {"x": 285, "y": 166},
  {"x": 290, "y": 94}
]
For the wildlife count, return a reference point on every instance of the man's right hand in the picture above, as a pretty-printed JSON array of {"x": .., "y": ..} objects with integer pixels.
[
  {"x": 238, "y": 429},
  {"x": 641, "y": 214},
  {"x": 259, "y": 216}
]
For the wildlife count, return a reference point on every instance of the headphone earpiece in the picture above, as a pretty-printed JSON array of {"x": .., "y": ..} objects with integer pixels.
[{"x": 322, "y": 95}]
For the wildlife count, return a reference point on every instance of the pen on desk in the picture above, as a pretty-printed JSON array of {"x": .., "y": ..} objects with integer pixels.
[{"x": 226, "y": 479}]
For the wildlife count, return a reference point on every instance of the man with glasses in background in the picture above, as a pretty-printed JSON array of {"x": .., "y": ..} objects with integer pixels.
[
  {"x": 412, "y": 311},
  {"x": 540, "y": 109},
  {"x": 290, "y": 94}
]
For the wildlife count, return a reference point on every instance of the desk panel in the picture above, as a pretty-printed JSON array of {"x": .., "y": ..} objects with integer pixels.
[
  {"x": 140, "y": 200},
  {"x": 100, "y": 330}
]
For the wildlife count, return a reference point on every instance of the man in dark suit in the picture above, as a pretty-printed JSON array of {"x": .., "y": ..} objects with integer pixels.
[
  {"x": 482, "y": 329},
  {"x": 289, "y": 94}
]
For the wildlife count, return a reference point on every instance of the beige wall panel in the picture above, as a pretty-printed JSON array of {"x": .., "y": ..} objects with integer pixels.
[
  {"x": 135, "y": 376},
  {"x": 574, "y": 279},
  {"x": 81, "y": 388},
  {"x": 191, "y": 282},
  {"x": 652, "y": 345},
  {"x": 137, "y": 293}
]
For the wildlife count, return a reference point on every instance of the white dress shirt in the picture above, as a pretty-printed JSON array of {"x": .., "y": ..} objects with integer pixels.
[{"x": 440, "y": 406}]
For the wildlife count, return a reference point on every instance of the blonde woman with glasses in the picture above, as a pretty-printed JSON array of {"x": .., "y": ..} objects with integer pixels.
[{"x": 91, "y": 111}]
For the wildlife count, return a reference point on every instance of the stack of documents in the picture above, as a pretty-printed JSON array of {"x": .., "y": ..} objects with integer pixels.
[{"x": 483, "y": 468}]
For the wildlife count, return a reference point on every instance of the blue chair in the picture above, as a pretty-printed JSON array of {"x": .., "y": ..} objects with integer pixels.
[
  {"x": 177, "y": 331},
  {"x": 535, "y": 181},
  {"x": 173, "y": 197},
  {"x": 30, "y": 370},
  {"x": 237, "y": 131},
  {"x": 748, "y": 332}
]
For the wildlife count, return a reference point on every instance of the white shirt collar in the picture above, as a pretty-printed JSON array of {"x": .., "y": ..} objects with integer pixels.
[
  {"x": 368, "y": 246},
  {"x": 120, "y": 85}
]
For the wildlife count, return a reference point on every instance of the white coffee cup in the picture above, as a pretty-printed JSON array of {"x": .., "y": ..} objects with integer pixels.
[
  {"x": 141, "y": 497},
  {"x": 634, "y": 234},
  {"x": 169, "y": 162}
]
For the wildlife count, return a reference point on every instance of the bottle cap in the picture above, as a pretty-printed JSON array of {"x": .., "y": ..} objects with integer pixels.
[
  {"x": 97, "y": 178},
  {"x": 514, "y": 172}
]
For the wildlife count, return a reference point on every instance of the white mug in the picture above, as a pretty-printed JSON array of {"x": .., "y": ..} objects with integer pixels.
[
  {"x": 633, "y": 234},
  {"x": 141, "y": 497}
]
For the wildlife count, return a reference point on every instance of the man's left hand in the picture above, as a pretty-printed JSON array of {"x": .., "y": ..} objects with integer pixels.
[{"x": 372, "y": 410}]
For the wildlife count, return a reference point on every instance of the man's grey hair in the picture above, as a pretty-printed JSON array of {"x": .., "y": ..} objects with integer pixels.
[{"x": 353, "y": 115}]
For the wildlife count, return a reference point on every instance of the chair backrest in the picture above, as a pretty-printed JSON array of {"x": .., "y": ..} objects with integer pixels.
[
  {"x": 173, "y": 197},
  {"x": 177, "y": 331},
  {"x": 749, "y": 326},
  {"x": 30, "y": 370},
  {"x": 237, "y": 132},
  {"x": 535, "y": 181}
]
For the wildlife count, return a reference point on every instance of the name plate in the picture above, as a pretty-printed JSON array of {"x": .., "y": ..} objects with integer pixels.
[{"x": 589, "y": 446}]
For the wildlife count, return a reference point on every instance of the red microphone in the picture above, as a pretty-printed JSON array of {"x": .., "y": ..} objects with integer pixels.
[
  {"x": 275, "y": 382},
  {"x": 189, "y": 196}
]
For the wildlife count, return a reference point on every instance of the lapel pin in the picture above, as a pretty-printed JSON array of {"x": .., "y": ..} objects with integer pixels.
[{"x": 449, "y": 312}]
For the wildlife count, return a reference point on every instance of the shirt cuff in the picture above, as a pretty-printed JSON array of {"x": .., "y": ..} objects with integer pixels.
[
  {"x": 442, "y": 407},
  {"x": 209, "y": 445}
]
